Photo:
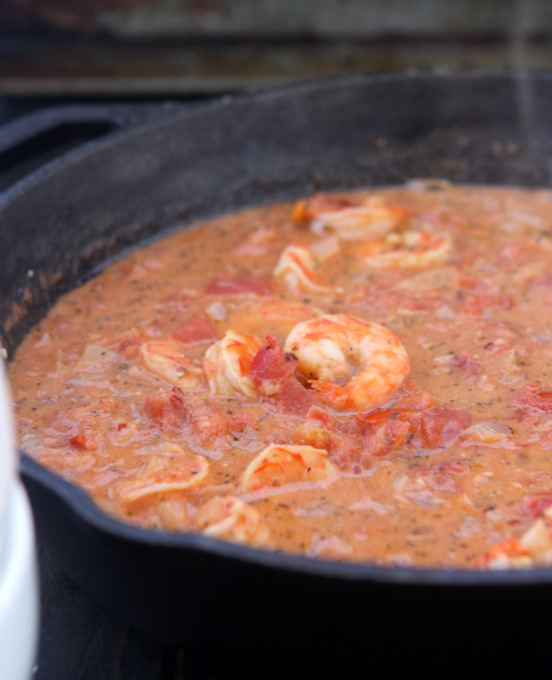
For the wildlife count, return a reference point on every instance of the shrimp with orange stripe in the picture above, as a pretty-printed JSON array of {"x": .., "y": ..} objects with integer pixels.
[
  {"x": 373, "y": 218},
  {"x": 281, "y": 464},
  {"x": 354, "y": 365},
  {"x": 297, "y": 271},
  {"x": 168, "y": 469},
  {"x": 408, "y": 250},
  {"x": 226, "y": 364},
  {"x": 232, "y": 519},
  {"x": 167, "y": 360}
]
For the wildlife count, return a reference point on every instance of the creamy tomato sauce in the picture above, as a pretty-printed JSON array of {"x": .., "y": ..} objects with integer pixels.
[{"x": 361, "y": 377}]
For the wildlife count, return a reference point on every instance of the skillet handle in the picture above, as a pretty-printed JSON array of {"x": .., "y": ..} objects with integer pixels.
[{"x": 32, "y": 140}]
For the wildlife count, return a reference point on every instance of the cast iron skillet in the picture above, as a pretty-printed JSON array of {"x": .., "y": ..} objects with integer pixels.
[{"x": 229, "y": 604}]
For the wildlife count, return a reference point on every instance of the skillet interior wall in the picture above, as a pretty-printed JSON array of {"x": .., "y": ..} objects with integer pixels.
[{"x": 465, "y": 127}]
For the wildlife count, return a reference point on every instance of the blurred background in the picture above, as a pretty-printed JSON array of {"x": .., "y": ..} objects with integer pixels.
[{"x": 57, "y": 50}]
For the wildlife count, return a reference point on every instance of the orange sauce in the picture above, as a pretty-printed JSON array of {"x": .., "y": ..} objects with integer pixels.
[{"x": 111, "y": 389}]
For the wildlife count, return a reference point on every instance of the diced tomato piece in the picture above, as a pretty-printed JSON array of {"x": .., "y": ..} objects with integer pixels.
[
  {"x": 388, "y": 437},
  {"x": 80, "y": 425},
  {"x": 535, "y": 397},
  {"x": 368, "y": 421},
  {"x": 175, "y": 410},
  {"x": 412, "y": 397},
  {"x": 239, "y": 422},
  {"x": 477, "y": 304},
  {"x": 83, "y": 442},
  {"x": 165, "y": 410},
  {"x": 343, "y": 449},
  {"x": 122, "y": 343},
  {"x": 398, "y": 431},
  {"x": 372, "y": 419},
  {"x": 176, "y": 397},
  {"x": 316, "y": 412},
  {"x": 467, "y": 363},
  {"x": 381, "y": 431},
  {"x": 293, "y": 397},
  {"x": 272, "y": 365},
  {"x": 440, "y": 426},
  {"x": 273, "y": 372},
  {"x": 239, "y": 285},
  {"x": 195, "y": 331},
  {"x": 386, "y": 430},
  {"x": 86, "y": 437},
  {"x": 534, "y": 505},
  {"x": 158, "y": 407},
  {"x": 208, "y": 423}
]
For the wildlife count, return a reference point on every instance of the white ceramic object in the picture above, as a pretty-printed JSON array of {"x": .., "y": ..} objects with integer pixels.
[{"x": 18, "y": 573}]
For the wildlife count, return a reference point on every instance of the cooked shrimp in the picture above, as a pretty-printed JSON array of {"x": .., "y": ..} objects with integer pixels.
[
  {"x": 166, "y": 359},
  {"x": 409, "y": 250},
  {"x": 371, "y": 219},
  {"x": 230, "y": 518},
  {"x": 331, "y": 348},
  {"x": 227, "y": 362},
  {"x": 296, "y": 269},
  {"x": 506, "y": 555},
  {"x": 532, "y": 549},
  {"x": 279, "y": 465},
  {"x": 164, "y": 474}
]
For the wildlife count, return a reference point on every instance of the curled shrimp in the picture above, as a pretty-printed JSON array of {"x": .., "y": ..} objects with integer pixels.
[
  {"x": 508, "y": 554},
  {"x": 329, "y": 351},
  {"x": 279, "y": 465},
  {"x": 532, "y": 549},
  {"x": 409, "y": 250},
  {"x": 166, "y": 359},
  {"x": 226, "y": 364},
  {"x": 374, "y": 218},
  {"x": 164, "y": 474},
  {"x": 296, "y": 269},
  {"x": 230, "y": 518}
]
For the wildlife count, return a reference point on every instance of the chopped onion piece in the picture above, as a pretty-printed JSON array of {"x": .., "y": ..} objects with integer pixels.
[
  {"x": 217, "y": 311},
  {"x": 489, "y": 432}
]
